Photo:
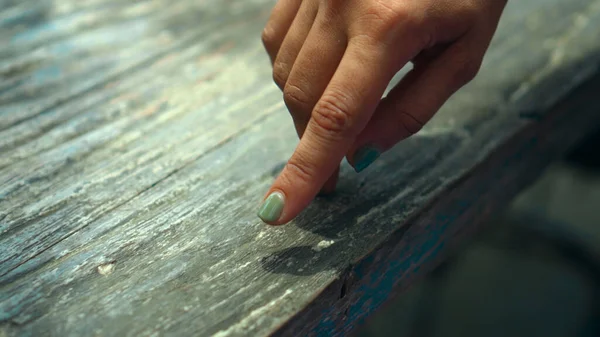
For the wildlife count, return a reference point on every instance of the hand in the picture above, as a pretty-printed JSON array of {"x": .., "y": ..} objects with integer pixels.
[{"x": 333, "y": 59}]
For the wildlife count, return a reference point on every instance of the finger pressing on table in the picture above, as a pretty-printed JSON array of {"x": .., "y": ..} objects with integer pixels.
[{"x": 338, "y": 117}]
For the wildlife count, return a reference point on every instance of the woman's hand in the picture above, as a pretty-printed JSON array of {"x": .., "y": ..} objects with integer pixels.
[{"x": 333, "y": 59}]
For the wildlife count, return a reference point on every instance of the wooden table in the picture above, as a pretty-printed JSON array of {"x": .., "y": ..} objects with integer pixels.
[{"x": 137, "y": 138}]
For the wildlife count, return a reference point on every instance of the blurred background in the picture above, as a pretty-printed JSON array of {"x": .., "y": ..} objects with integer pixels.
[{"x": 533, "y": 271}]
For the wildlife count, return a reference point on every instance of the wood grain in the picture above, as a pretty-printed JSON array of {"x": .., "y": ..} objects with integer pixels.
[{"x": 138, "y": 137}]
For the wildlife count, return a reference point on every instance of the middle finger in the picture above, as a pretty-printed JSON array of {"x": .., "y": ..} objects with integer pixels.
[
  {"x": 315, "y": 65},
  {"x": 293, "y": 41}
]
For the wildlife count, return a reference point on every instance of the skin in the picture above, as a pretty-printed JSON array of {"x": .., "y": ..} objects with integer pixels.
[{"x": 333, "y": 60}]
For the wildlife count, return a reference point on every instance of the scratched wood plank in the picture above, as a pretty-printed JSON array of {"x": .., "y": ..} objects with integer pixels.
[
  {"x": 61, "y": 49},
  {"x": 132, "y": 164},
  {"x": 135, "y": 112}
]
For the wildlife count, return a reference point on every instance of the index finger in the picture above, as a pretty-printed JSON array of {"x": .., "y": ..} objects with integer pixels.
[{"x": 338, "y": 117}]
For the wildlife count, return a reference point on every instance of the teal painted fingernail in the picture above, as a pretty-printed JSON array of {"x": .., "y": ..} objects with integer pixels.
[
  {"x": 272, "y": 207},
  {"x": 364, "y": 157}
]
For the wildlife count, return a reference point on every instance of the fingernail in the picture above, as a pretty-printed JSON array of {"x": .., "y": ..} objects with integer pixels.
[
  {"x": 271, "y": 208},
  {"x": 364, "y": 157}
]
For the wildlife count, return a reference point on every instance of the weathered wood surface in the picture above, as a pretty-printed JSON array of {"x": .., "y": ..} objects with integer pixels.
[{"x": 137, "y": 138}]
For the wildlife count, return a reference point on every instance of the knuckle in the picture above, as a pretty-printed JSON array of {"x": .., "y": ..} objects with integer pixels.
[
  {"x": 301, "y": 170},
  {"x": 408, "y": 124},
  {"x": 385, "y": 12},
  {"x": 280, "y": 74},
  {"x": 331, "y": 113},
  {"x": 295, "y": 97},
  {"x": 332, "y": 7},
  {"x": 268, "y": 37},
  {"x": 467, "y": 70},
  {"x": 383, "y": 17}
]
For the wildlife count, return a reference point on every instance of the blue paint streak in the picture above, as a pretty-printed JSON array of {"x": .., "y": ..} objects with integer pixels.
[
  {"x": 49, "y": 26},
  {"x": 378, "y": 283},
  {"x": 46, "y": 74}
]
